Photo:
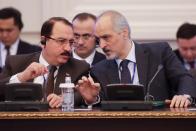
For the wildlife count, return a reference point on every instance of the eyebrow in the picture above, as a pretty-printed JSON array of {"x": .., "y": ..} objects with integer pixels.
[{"x": 82, "y": 34}]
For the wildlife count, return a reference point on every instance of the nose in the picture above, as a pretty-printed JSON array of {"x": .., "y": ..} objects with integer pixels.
[
  {"x": 102, "y": 43},
  {"x": 67, "y": 47},
  {"x": 189, "y": 53},
  {"x": 80, "y": 41}
]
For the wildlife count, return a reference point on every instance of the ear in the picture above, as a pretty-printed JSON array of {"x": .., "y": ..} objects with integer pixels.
[
  {"x": 43, "y": 40},
  {"x": 125, "y": 33}
]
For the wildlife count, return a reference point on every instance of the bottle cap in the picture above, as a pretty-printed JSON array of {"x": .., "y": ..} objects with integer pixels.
[{"x": 66, "y": 85}]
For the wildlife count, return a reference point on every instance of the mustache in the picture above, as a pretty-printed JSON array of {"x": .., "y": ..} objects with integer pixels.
[{"x": 66, "y": 53}]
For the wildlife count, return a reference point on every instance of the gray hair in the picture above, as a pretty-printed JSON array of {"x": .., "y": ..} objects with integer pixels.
[{"x": 118, "y": 20}]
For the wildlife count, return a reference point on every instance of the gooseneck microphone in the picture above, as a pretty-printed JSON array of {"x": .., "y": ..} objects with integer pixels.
[{"x": 149, "y": 97}]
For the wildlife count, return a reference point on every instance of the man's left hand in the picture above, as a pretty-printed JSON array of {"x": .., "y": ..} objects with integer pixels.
[
  {"x": 180, "y": 101},
  {"x": 88, "y": 89}
]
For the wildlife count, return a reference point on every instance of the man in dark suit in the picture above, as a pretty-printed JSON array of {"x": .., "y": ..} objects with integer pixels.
[
  {"x": 10, "y": 28},
  {"x": 129, "y": 62},
  {"x": 56, "y": 39},
  {"x": 186, "y": 41},
  {"x": 85, "y": 41}
]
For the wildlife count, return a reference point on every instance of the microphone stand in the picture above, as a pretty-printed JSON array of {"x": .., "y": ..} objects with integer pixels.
[{"x": 149, "y": 97}]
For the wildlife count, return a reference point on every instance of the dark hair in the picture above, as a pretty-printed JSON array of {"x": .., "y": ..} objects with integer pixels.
[
  {"x": 47, "y": 27},
  {"x": 84, "y": 16},
  {"x": 186, "y": 31},
  {"x": 11, "y": 12}
]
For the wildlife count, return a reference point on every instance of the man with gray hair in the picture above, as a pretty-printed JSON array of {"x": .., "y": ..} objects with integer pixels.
[{"x": 130, "y": 62}]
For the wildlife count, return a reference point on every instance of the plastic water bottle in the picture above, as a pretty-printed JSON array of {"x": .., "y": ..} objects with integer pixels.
[{"x": 67, "y": 91}]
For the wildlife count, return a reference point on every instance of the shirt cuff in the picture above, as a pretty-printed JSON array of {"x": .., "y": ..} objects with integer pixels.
[
  {"x": 96, "y": 102},
  {"x": 14, "y": 79},
  {"x": 189, "y": 98}
]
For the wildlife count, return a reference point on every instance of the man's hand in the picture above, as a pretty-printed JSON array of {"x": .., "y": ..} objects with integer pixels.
[
  {"x": 88, "y": 89},
  {"x": 54, "y": 100},
  {"x": 179, "y": 101},
  {"x": 32, "y": 71}
]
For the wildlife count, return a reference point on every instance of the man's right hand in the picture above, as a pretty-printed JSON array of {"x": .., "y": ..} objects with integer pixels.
[{"x": 32, "y": 71}]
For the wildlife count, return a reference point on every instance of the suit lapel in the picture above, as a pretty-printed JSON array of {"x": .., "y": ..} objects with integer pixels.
[
  {"x": 20, "y": 48},
  {"x": 95, "y": 59},
  {"x": 142, "y": 63},
  {"x": 63, "y": 69},
  {"x": 98, "y": 57},
  {"x": 112, "y": 72}
]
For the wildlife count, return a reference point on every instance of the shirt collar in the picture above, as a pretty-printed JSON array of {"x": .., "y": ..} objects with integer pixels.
[
  {"x": 13, "y": 47},
  {"x": 43, "y": 61},
  {"x": 88, "y": 59},
  {"x": 130, "y": 56}
]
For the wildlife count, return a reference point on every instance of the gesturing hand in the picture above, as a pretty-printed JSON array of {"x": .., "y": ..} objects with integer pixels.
[
  {"x": 33, "y": 70},
  {"x": 88, "y": 89}
]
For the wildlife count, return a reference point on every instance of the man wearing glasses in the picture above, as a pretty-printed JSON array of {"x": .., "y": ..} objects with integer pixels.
[
  {"x": 56, "y": 40},
  {"x": 10, "y": 27},
  {"x": 85, "y": 41}
]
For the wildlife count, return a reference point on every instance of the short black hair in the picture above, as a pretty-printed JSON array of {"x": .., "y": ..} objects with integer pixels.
[
  {"x": 47, "y": 27},
  {"x": 84, "y": 16},
  {"x": 11, "y": 12},
  {"x": 186, "y": 31}
]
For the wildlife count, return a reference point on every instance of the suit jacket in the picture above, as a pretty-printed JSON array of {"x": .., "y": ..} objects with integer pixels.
[
  {"x": 98, "y": 57},
  {"x": 18, "y": 63},
  {"x": 172, "y": 79},
  {"x": 179, "y": 56},
  {"x": 25, "y": 48}
]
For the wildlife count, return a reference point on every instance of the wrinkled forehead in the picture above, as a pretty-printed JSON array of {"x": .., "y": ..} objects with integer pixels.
[{"x": 103, "y": 25}]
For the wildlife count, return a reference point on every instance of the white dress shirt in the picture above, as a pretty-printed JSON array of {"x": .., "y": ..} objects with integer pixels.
[
  {"x": 88, "y": 59},
  {"x": 187, "y": 65},
  {"x": 132, "y": 63},
  {"x": 39, "y": 79},
  {"x": 3, "y": 52}
]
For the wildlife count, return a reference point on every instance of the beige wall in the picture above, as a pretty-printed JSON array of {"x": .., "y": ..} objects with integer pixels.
[{"x": 150, "y": 20}]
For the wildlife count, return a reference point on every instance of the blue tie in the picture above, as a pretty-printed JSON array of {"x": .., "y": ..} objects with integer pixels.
[{"x": 125, "y": 73}]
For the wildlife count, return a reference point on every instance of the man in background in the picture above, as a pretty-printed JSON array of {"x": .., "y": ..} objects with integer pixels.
[
  {"x": 10, "y": 28},
  {"x": 85, "y": 40},
  {"x": 186, "y": 41}
]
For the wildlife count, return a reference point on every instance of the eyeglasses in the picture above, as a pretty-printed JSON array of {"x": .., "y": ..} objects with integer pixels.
[
  {"x": 62, "y": 41},
  {"x": 85, "y": 36}
]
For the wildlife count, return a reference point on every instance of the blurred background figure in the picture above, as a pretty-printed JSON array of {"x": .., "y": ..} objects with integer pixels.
[
  {"x": 186, "y": 41},
  {"x": 10, "y": 28},
  {"x": 85, "y": 40}
]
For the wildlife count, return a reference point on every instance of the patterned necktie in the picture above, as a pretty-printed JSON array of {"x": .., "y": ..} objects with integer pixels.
[
  {"x": 125, "y": 73},
  {"x": 50, "y": 81},
  {"x": 192, "y": 64}
]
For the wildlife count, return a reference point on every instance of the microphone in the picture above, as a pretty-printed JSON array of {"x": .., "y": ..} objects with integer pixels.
[{"x": 149, "y": 97}]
